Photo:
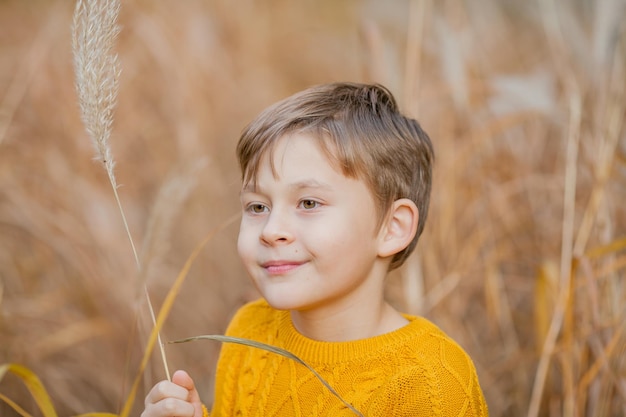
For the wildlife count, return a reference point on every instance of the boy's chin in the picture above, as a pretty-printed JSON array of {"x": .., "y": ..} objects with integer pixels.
[
  {"x": 285, "y": 301},
  {"x": 279, "y": 303}
]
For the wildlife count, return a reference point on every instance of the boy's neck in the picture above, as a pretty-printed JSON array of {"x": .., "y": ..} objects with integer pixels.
[{"x": 351, "y": 323}]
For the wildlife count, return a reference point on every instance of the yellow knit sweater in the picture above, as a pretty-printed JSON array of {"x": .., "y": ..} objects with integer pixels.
[{"x": 414, "y": 371}]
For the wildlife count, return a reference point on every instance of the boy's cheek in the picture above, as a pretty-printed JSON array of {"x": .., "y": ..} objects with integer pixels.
[
  {"x": 245, "y": 225},
  {"x": 245, "y": 242}
]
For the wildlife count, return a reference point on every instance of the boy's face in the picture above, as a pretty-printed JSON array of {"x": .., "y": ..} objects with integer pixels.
[{"x": 308, "y": 234}]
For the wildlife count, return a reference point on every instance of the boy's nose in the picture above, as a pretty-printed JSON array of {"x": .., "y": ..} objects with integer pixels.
[{"x": 276, "y": 230}]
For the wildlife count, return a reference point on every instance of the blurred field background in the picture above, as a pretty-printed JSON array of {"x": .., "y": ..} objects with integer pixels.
[{"x": 523, "y": 260}]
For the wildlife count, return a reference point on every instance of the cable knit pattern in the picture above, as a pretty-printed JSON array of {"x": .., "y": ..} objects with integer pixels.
[{"x": 414, "y": 371}]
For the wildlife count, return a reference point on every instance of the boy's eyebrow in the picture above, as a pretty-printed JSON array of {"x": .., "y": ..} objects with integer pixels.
[
  {"x": 309, "y": 183},
  {"x": 298, "y": 185}
]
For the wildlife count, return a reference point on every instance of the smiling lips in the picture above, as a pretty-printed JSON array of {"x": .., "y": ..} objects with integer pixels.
[{"x": 280, "y": 267}]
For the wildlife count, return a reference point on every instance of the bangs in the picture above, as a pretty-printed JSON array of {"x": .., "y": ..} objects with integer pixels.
[{"x": 335, "y": 151}]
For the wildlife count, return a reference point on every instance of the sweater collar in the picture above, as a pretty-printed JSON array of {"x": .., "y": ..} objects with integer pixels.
[{"x": 312, "y": 351}]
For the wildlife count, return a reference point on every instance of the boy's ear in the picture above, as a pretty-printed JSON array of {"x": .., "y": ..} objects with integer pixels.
[{"x": 399, "y": 228}]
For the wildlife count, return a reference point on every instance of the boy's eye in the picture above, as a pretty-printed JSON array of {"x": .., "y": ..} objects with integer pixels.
[
  {"x": 257, "y": 208},
  {"x": 309, "y": 204}
]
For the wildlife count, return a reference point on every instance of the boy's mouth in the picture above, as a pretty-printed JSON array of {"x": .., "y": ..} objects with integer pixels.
[{"x": 280, "y": 267}]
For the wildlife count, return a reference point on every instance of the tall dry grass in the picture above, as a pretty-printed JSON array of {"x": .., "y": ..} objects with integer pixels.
[{"x": 524, "y": 256}]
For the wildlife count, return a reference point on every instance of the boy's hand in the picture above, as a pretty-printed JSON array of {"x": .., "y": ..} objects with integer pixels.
[{"x": 177, "y": 398}]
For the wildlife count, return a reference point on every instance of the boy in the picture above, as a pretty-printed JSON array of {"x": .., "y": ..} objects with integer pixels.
[{"x": 336, "y": 185}]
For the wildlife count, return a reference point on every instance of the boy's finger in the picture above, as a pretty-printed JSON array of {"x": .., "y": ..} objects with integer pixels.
[
  {"x": 183, "y": 379},
  {"x": 170, "y": 407},
  {"x": 166, "y": 389}
]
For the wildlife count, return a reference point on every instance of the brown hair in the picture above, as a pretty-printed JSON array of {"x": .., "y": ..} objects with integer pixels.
[{"x": 360, "y": 128}]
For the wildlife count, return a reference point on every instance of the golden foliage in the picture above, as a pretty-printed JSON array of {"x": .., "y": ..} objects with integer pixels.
[{"x": 525, "y": 102}]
